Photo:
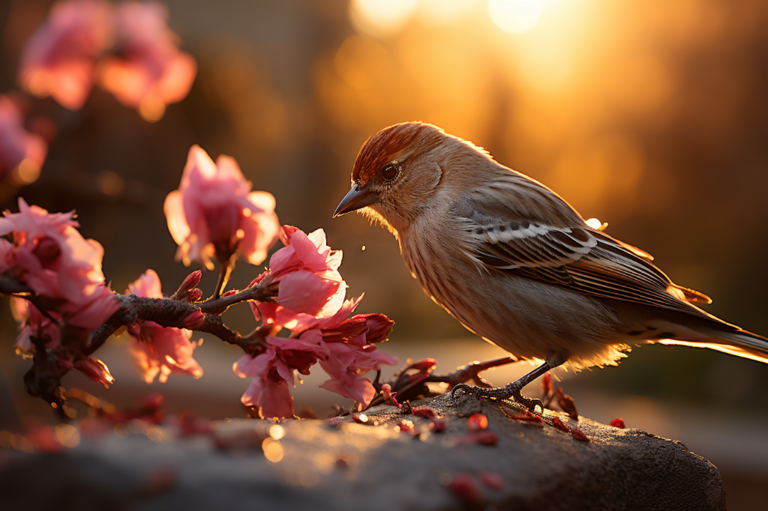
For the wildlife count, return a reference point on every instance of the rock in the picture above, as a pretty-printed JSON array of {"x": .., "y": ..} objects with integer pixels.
[{"x": 342, "y": 464}]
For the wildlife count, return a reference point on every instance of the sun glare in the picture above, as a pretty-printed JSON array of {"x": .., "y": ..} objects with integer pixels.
[
  {"x": 381, "y": 19},
  {"x": 516, "y": 16}
]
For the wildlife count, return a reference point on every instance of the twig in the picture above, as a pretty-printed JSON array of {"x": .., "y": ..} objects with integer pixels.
[
  {"x": 263, "y": 292},
  {"x": 225, "y": 271},
  {"x": 44, "y": 377},
  {"x": 402, "y": 383}
]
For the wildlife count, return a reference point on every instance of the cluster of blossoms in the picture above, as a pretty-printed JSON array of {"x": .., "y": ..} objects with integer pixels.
[
  {"x": 127, "y": 49},
  {"x": 311, "y": 305},
  {"x": 66, "y": 311},
  {"x": 46, "y": 255},
  {"x": 71, "y": 51},
  {"x": 214, "y": 214}
]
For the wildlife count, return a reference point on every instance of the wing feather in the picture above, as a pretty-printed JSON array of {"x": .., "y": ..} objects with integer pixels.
[{"x": 566, "y": 253}]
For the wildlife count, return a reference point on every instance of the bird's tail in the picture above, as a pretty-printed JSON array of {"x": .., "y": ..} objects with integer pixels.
[{"x": 727, "y": 339}]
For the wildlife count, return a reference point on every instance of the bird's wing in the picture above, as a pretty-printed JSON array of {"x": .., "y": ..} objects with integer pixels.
[{"x": 573, "y": 257}]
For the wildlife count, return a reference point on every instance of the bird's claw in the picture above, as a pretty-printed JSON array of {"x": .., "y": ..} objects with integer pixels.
[
  {"x": 511, "y": 391},
  {"x": 464, "y": 388}
]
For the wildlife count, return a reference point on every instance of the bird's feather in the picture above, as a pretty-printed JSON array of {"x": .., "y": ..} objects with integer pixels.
[{"x": 570, "y": 254}]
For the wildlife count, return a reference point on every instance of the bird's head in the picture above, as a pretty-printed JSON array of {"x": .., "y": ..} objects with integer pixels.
[{"x": 397, "y": 173}]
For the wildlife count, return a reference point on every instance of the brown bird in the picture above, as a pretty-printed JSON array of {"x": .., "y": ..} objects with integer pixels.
[{"x": 517, "y": 265}]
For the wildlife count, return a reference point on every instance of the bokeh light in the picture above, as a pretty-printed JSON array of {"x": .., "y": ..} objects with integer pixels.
[{"x": 516, "y": 16}]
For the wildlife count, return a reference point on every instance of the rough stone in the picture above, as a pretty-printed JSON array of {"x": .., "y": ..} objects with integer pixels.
[{"x": 345, "y": 465}]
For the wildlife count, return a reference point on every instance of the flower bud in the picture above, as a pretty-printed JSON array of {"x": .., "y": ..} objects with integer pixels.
[{"x": 194, "y": 321}]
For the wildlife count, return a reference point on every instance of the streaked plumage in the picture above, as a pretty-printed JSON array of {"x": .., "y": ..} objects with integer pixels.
[{"x": 517, "y": 265}]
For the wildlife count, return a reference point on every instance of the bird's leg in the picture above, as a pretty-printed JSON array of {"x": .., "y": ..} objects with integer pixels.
[{"x": 511, "y": 390}]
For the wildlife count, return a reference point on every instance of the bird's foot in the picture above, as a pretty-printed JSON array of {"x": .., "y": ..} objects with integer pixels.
[{"x": 511, "y": 390}]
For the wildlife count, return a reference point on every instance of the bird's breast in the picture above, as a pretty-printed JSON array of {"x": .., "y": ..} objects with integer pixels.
[{"x": 528, "y": 318}]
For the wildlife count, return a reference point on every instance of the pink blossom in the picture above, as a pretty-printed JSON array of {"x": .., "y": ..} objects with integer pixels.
[
  {"x": 149, "y": 72},
  {"x": 311, "y": 287},
  {"x": 338, "y": 343},
  {"x": 54, "y": 260},
  {"x": 346, "y": 365},
  {"x": 60, "y": 58},
  {"x": 17, "y": 145},
  {"x": 159, "y": 350},
  {"x": 311, "y": 304},
  {"x": 351, "y": 352},
  {"x": 214, "y": 213},
  {"x": 273, "y": 370}
]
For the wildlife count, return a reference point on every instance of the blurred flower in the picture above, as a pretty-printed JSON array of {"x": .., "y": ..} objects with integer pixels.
[
  {"x": 59, "y": 60},
  {"x": 159, "y": 350},
  {"x": 148, "y": 71},
  {"x": 51, "y": 257},
  {"x": 214, "y": 213},
  {"x": 18, "y": 147}
]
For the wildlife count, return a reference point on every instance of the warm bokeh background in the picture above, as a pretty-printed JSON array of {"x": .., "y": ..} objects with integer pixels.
[{"x": 650, "y": 116}]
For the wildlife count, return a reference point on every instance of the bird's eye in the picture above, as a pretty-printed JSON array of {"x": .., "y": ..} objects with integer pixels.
[{"x": 389, "y": 172}]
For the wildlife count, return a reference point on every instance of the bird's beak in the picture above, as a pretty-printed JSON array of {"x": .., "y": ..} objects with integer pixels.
[{"x": 358, "y": 197}]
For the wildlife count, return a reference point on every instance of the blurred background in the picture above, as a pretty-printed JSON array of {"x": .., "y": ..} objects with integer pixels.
[{"x": 650, "y": 116}]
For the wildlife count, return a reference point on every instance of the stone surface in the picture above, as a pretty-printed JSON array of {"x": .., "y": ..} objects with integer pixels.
[{"x": 371, "y": 466}]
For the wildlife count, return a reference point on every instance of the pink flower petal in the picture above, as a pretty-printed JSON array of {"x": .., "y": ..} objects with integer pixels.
[
  {"x": 146, "y": 286},
  {"x": 304, "y": 291},
  {"x": 272, "y": 396}
]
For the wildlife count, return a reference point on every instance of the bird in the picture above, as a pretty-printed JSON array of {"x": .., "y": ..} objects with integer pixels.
[{"x": 517, "y": 265}]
